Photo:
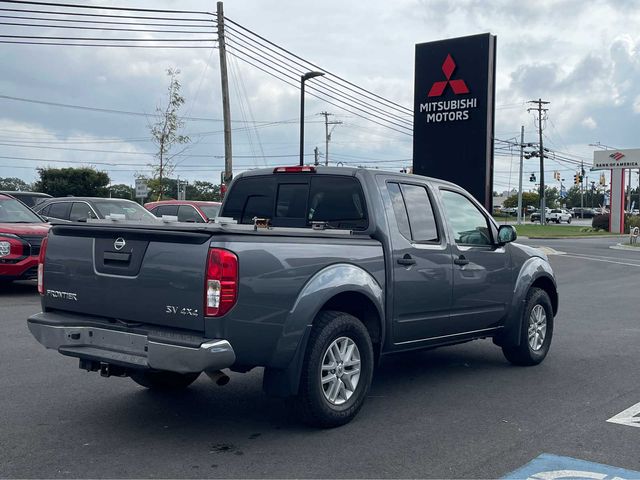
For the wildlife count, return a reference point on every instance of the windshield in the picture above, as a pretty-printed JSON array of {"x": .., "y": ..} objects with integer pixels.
[
  {"x": 12, "y": 211},
  {"x": 211, "y": 211},
  {"x": 131, "y": 210}
]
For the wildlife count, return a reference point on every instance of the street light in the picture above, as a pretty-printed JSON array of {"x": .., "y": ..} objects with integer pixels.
[{"x": 304, "y": 78}]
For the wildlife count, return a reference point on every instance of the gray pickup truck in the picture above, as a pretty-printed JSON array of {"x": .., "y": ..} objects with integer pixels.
[{"x": 313, "y": 273}]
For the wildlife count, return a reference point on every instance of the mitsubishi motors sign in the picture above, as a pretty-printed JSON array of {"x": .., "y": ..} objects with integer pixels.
[{"x": 454, "y": 112}]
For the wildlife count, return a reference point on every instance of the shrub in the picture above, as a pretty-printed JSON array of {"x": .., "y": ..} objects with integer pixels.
[
  {"x": 600, "y": 222},
  {"x": 631, "y": 221}
]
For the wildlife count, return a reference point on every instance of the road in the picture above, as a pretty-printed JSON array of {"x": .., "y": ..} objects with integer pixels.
[{"x": 460, "y": 412}]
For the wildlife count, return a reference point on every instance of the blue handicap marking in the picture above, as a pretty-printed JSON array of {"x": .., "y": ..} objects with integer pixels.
[{"x": 552, "y": 467}]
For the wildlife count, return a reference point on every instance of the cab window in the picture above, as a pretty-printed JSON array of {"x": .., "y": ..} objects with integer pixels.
[{"x": 469, "y": 225}]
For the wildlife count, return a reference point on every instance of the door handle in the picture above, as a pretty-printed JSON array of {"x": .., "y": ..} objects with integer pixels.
[
  {"x": 461, "y": 260},
  {"x": 406, "y": 260}
]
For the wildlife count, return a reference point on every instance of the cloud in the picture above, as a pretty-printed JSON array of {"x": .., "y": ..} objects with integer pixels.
[{"x": 590, "y": 123}]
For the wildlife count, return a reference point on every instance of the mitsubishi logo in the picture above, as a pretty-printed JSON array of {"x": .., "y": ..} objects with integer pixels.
[
  {"x": 616, "y": 156},
  {"x": 119, "y": 243},
  {"x": 458, "y": 86}
]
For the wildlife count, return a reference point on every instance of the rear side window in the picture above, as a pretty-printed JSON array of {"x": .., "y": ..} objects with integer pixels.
[
  {"x": 60, "y": 210},
  {"x": 298, "y": 200},
  {"x": 80, "y": 211},
  {"x": 397, "y": 202},
  {"x": 171, "y": 210},
  {"x": 186, "y": 213},
  {"x": 414, "y": 212}
]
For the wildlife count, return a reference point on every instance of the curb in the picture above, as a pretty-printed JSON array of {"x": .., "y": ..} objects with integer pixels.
[{"x": 619, "y": 246}]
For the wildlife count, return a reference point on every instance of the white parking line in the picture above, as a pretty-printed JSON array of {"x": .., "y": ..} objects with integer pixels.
[{"x": 594, "y": 259}]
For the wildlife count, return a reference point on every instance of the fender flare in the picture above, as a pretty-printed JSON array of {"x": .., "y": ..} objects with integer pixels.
[
  {"x": 283, "y": 374},
  {"x": 531, "y": 271}
]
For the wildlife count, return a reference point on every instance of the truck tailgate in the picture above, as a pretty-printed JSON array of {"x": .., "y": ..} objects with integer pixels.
[{"x": 129, "y": 274}]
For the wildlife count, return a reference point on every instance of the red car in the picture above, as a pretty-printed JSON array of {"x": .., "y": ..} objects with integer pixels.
[
  {"x": 186, "y": 210},
  {"x": 21, "y": 234}
]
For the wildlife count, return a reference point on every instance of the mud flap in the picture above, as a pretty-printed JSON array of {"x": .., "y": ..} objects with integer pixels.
[
  {"x": 511, "y": 333},
  {"x": 284, "y": 382}
]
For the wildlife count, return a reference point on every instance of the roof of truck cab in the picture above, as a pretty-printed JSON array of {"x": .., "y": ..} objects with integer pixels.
[{"x": 345, "y": 171}]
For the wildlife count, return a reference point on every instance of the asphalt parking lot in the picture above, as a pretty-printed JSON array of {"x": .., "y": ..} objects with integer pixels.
[{"x": 457, "y": 412}]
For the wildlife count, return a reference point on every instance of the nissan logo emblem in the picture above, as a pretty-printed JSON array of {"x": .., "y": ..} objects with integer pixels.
[{"x": 119, "y": 243}]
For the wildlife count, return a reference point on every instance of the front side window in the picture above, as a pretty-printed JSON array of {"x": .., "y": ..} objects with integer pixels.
[{"x": 469, "y": 225}]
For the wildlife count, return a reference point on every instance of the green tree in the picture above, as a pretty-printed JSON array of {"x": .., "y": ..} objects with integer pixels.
[
  {"x": 13, "y": 183},
  {"x": 165, "y": 131},
  {"x": 201, "y": 190},
  {"x": 528, "y": 199},
  {"x": 551, "y": 198},
  {"x": 122, "y": 190},
  {"x": 79, "y": 182}
]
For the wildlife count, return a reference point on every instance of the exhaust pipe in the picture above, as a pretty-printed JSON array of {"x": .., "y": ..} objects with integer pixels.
[{"x": 220, "y": 378}]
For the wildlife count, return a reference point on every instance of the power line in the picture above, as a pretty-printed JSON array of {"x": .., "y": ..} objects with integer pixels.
[
  {"x": 76, "y": 27},
  {"x": 401, "y": 107},
  {"x": 208, "y": 24},
  {"x": 235, "y": 34},
  {"x": 101, "y": 7},
  {"x": 238, "y": 52},
  {"x": 103, "y": 15},
  {"x": 98, "y": 39},
  {"x": 14, "y": 42}
]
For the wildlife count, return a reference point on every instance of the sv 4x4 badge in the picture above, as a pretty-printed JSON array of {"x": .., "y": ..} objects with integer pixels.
[{"x": 175, "y": 310}]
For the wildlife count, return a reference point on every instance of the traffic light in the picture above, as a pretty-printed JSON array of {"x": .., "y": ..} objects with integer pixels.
[
  {"x": 576, "y": 179},
  {"x": 532, "y": 177}
]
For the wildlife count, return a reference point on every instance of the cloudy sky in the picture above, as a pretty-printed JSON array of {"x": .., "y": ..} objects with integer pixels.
[{"x": 583, "y": 57}]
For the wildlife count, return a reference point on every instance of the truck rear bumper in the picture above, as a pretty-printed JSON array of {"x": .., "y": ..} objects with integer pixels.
[{"x": 139, "y": 350}]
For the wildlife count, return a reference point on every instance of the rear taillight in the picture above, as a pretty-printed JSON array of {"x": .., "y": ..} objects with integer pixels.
[
  {"x": 43, "y": 253},
  {"x": 221, "y": 283}
]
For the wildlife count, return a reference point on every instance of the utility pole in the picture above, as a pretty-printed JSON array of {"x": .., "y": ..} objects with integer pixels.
[
  {"x": 520, "y": 180},
  {"x": 226, "y": 110},
  {"x": 540, "y": 110},
  {"x": 581, "y": 190},
  {"x": 327, "y": 135},
  {"x": 315, "y": 152}
]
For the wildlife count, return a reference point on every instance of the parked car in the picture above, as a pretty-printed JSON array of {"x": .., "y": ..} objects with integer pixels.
[
  {"x": 30, "y": 199},
  {"x": 185, "y": 210},
  {"x": 21, "y": 234},
  {"x": 558, "y": 215},
  {"x": 580, "y": 212},
  {"x": 314, "y": 273},
  {"x": 535, "y": 216},
  {"x": 80, "y": 209}
]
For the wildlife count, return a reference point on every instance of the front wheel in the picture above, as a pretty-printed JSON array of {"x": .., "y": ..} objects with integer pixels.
[
  {"x": 569, "y": 220},
  {"x": 337, "y": 370},
  {"x": 163, "y": 380},
  {"x": 537, "y": 330}
]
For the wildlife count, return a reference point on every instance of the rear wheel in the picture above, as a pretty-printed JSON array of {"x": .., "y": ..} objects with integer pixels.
[
  {"x": 569, "y": 220},
  {"x": 537, "y": 330},
  {"x": 337, "y": 370},
  {"x": 163, "y": 380}
]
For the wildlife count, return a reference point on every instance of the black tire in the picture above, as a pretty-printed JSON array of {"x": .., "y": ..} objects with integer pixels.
[
  {"x": 569, "y": 220},
  {"x": 311, "y": 403},
  {"x": 163, "y": 380},
  {"x": 524, "y": 354}
]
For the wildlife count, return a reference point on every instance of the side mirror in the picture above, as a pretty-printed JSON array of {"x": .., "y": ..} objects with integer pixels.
[{"x": 506, "y": 234}]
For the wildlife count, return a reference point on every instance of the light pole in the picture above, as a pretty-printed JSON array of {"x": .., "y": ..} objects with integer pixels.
[{"x": 304, "y": 78}]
